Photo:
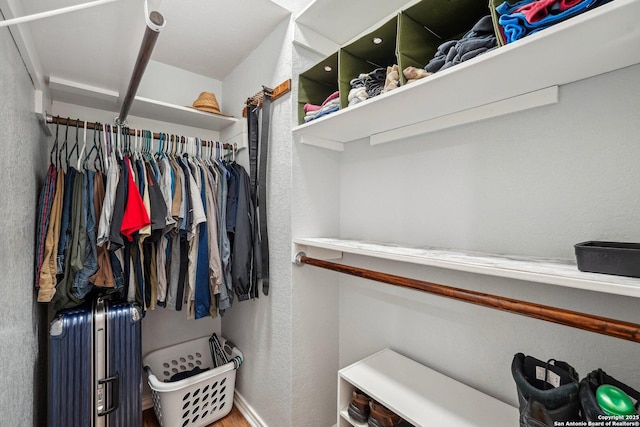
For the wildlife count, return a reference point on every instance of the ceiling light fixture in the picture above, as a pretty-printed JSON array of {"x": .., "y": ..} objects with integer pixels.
[
  {"x": 327, "y": 68},
  {"x": 377, "y": 40}
]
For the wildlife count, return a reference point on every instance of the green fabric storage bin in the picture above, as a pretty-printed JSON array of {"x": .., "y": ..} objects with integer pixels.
[
  {"x": 427, "y": 24},
  {"x": 494, "y": 18},
  {"x": 411, "y": 38},
  {"x": 364, "y": 56},
  {"x": 316, "y": 84}
]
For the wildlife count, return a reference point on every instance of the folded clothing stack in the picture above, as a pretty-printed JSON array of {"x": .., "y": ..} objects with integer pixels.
[
  {"x": 480, "y": 39},
  {"x": 412, "y": 74},
  {"x": 530, "y": 16},
  {"x": 328, "y": 106},
  {"x": 367, "y": 85}
]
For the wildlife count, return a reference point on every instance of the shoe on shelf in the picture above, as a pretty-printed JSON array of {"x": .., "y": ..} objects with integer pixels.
[
  {"x": 547, "y": 392},
  {"x": 380, "y": 416},
  {"x": 359, "y": 407}
]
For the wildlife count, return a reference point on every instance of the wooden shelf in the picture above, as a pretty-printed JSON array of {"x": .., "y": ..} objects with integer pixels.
[
  {"x": 541, "y": 270},
  {"x": 596, "y": 42},
  {"x": 422, "y": 396}
]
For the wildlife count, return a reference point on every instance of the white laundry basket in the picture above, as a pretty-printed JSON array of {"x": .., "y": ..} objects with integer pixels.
[{"x": 198, "y": 400}]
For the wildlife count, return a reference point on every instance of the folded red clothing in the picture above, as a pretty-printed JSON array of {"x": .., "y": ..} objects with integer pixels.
[
  {"x": 334, "y": 95},
  {"x": 311, "y": 107},
  {"x": 536, "y": 10}
]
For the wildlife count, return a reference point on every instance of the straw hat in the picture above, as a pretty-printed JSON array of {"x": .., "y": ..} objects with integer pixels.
[{"x": 207, "y": 102}]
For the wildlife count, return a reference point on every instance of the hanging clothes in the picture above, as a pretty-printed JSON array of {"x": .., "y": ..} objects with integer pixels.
[{"x": 172, "y": 229}]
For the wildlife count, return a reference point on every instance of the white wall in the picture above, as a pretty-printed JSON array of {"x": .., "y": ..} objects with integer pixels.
[
  {"x": 163, "y": 82},
  {"x": 23, "y": 322},
  {"x": 531, "y": 183},
  {"x": 315, "y": 211},
  {"x": 261, "y": 328},
  {"x": 290, "y": 338}
]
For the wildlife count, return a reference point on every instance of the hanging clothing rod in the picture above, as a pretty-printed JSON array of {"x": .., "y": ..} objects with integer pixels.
[
  {"x": 155, "y": 22},
  {"x": 90, "y": 125},
  {"x": 61, "y": 11},
  {"x": 601, "y": 325}
]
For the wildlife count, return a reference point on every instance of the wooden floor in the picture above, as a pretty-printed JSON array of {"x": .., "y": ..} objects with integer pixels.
[{"x": 234, "y": 419}]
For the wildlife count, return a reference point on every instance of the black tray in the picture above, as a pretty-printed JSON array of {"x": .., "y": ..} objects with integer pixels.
[{"x": 621, "y": 259}]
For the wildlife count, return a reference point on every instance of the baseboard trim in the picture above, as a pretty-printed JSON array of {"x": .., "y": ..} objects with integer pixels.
[
  {"x": 147, "y": 402},
  {"x": 247, "y": 411},
  {"x": 241, "y": 403}
]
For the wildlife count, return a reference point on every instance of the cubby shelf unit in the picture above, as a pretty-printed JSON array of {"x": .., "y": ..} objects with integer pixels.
[{"x": 511, "y": 78}]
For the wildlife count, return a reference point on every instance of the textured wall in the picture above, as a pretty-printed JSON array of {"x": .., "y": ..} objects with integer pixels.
[
  {"x": 22, "y": 322},
  {"x": 531, "y": 183},
  {"x": 262, "y": 328},
  {"x": 315, "y": 211}
]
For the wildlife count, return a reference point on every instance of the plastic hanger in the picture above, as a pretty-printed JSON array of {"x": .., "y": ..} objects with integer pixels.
[
  {"x": 90, "y": 152},
  {"x": 119, "y": 142},
  {"x": 54, "y": 147},
  {"x": 84, "y": 147},
  {"x": 107, "y": 145},
  {"x": 172, "y": 138},
  {"x": 183, "y": 146},
  {"x": 75, "y": 145},
  {"x": 219, "y": 162},
  {"x": 160, "y": 152},
  {"x": 137, "y": 148},
  {"x": 149, "y": 143},
  {"x": 64, "y": 144},
  {"x": 97, "y": 145}
]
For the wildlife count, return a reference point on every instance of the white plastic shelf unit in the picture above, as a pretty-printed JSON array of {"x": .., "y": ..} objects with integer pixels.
[
  {"x": 421, "y": 396},
  {"x": 598, "y": 41},
  {"x": 541, "y": 270}
]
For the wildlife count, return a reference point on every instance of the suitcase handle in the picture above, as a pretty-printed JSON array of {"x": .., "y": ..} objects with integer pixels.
[{"x": 115, "y": 394}]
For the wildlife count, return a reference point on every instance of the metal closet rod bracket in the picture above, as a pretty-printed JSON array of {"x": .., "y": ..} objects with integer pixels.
[
  {"x": 588, "y": 322},
  {"x": 298, "y": 259}
]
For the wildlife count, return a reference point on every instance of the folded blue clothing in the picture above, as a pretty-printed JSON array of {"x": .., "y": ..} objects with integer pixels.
[
  {"x": 323, "y": 113},
  {"x": 480, "y": 39},
  {"x": 516, "y": 26}
]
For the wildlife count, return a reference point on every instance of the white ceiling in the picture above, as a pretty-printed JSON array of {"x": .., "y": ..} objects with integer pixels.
[{"x": 99, "y": 46}]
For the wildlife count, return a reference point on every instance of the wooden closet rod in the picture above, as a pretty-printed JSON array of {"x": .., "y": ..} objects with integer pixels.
[
  {"x": 144, "y": 54},
  {"x": 79, "y": 123},
  {"x": 601, "y": 325}
]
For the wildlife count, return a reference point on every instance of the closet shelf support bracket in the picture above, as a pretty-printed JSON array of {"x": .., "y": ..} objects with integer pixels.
[
  {"x": 299, "y": 251},
  {"x": 321, "y": 142}
]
